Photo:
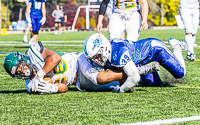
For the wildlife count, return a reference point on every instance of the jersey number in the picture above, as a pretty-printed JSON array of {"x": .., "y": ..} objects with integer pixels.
[
  {"x": 61, "y": 81},
  {"x": 126, "y": 59},
  {"x": 60, "y": 68},
  {"x": 127, "y": 4},
  {"x": 38, "y": 5}
]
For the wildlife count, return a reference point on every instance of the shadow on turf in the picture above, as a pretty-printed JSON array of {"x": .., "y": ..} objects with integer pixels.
[{"x": 13, "y": 91}]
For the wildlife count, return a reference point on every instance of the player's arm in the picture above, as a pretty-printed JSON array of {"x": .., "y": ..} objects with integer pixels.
[
  {"x": 102, "y": 11},
  {"x": 43, "y": 10},
  {"x": 47, "y": 86},
  {"x": 133, "y": 76},
  {"x": 145, "y": 11},
  {"x": 105, "y": 77},
  {"x": 51, "y": 59},
  {"x": 20, "y": 0},
  {"x": 53, "y": 14},
  {"x": 43, "y": 20},
  {"x": 28, "y": 8}
]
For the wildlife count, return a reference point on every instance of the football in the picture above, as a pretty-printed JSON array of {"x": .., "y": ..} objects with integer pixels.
[{"x": 48, "y": 80}]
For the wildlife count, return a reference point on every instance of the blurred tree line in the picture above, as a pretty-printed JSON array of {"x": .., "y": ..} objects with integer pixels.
[{"x": 161, "y": 12}]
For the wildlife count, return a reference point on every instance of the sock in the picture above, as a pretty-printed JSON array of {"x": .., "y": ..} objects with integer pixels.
[
  {"x": 194, "y": 38},
  {"x": 190, "y": 43},
  {"x": 178, "y": 54}
]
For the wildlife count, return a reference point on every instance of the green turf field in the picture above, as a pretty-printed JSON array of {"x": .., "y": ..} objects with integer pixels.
[{"x": 174, "y": 99}]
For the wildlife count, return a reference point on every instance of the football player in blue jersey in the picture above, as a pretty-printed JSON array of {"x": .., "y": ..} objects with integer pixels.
[
  {"x": 126, "y": 55},
  {"x": 36, "y": 15}
]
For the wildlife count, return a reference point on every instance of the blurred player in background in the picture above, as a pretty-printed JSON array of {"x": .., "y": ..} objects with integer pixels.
[
  {"x": 125, "y": 55},
  {"x": 28, "y": 28},
  {"x": 63, "y": 19},
  {"x": 57, "y": 14},
  {"x": 189, "y": 11},
  {"x": 36, "y": 15},
  {"x": 125, "y": 17},
  {"x": 109, "y": 12}
]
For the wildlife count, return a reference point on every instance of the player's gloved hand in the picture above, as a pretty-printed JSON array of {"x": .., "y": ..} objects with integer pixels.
[
  {"x": 45, "y": 87},
  {"x": 35, "y": 83},
  {"x": 28, "y": 19},
  {"x": 116, "y": 89},
  {"x": 43, "y": 20},
  {"x": 36, "y": 80}
]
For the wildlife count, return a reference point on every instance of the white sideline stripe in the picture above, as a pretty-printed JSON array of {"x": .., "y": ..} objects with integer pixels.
[
  {"x": 74, "y": 41},
  {"x": 166, "y": 121},
  {"x": 43, "y": 44}
]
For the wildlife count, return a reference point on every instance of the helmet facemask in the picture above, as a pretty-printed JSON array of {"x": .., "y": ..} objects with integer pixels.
[
  {"x": 103, "y": 55},
  {"x": 28, "y": 72}
]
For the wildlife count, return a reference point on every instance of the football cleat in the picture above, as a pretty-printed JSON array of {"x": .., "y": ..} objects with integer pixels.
[
  {"x": 191, "y": 57},
  {"x": 183, "y": 46},
  {"x": 173, "y": 42},
  {"x": 145, "y": 69}
]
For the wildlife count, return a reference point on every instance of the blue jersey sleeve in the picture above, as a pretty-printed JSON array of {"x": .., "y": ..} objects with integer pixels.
[{"x": 121, "y": 58}]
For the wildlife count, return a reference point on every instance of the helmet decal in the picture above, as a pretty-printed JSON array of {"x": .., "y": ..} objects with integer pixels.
[
  {"x": 84, "y": 46},
  {"x": 97, "y": 42},
  {"x": 14, "y": 68}
]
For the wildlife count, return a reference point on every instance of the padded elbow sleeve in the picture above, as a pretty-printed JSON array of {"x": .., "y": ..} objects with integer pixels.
[{"x": 133, "y": 76}]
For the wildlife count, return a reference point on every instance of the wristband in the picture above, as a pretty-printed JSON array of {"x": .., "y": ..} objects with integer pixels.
[{"x": 41, "y": 73}]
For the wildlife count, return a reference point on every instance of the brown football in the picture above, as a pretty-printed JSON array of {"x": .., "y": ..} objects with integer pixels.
[{"x": 48, "y": 80}]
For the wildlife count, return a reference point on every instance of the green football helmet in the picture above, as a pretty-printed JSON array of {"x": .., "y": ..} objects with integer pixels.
[{"x": 11, "y": 63}]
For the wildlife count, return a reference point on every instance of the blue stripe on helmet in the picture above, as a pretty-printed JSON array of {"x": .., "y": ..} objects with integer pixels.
[{"x": 84, "y": 46}]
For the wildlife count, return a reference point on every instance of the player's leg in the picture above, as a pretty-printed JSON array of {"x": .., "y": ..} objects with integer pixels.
[
  {"x": 25, "y": 38},
  {"x": 116, "y": 26},
  {"x": 34, "y": 28},
  {"x": 36, "y": 31},
  {"x": 186, "y": 16},
  {"x": 173, "y": 62},
  {"x": 195, "y": 22},
  {"x": 151, "y": 79},
  {"x": 59, "y": 27},
  {"x": 133, "y": 27},
  {"x": 56, "y": 28},
  {"x": 28, "y": 28}
]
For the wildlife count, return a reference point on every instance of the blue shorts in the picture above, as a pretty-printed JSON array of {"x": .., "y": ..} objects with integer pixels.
[{"x": 35, "y": 20}]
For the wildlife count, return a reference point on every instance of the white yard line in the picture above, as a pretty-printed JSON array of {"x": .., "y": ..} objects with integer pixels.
[
  {"x": 43, "y": 44},
  {"x": 166, "y": 121},
  {"x": 74, "y": 41}
]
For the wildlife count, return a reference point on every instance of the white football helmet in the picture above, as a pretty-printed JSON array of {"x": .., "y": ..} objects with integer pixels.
[{"x": 97, "y": 44}]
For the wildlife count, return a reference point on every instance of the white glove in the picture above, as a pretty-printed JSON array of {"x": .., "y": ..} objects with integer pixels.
[
  {"x": 43, "y": 20},
  {"x": 28, "y": 19},
  {"x": 45, "y": 87},
  {"x": 34, "y": 85},
  {"x": 116, "y": 89},
  {"x": 35, "y": 82}
]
